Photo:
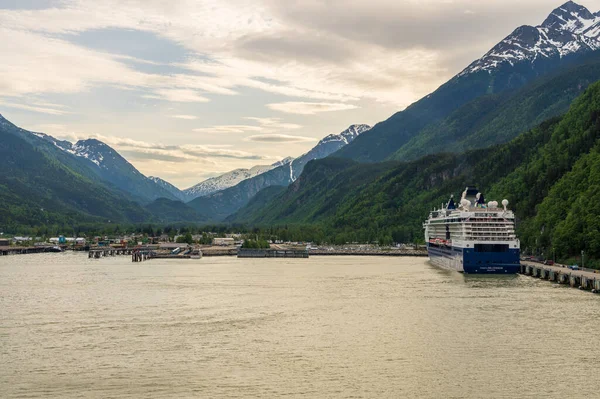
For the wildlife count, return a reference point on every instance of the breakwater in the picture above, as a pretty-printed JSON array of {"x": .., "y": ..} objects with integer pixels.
[
  {"x": 417, "y": 253},
  {"x": 582, "y": 279},
  {"x": 272, "y": 253}
]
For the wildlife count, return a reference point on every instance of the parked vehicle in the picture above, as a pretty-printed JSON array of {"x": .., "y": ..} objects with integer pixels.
[
  {"x": 549, "y": 262},
  {"x": 574, "y": 267}
]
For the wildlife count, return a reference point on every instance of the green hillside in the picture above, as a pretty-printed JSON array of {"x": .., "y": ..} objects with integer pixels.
[
  {"x": 498, "y": 118},
  {"x": 550, "y": 175},
  {"x": 259, "y": 201},
  {"x": 165, "y": 210},
  {"x": 36, "y": 189}
]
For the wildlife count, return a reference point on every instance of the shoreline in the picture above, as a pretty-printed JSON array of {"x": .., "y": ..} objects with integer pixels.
[{"x": 219, "y": 253}]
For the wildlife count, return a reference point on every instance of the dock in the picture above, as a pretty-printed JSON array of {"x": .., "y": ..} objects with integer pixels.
[
  {"x": 12, "y": 250},
  {"x": 411, "y": 253},
  {"x": 272, "y": 253},
  {"x": 582, "y": 279},
  {"x": 97, "y": 253}
]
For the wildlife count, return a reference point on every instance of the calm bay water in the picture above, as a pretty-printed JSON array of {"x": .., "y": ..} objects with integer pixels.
[{"x": 322, "y": 327}]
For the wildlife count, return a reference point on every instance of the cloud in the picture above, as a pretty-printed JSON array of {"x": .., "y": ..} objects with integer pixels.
[
  {"x": 228, "y": 129},
  {"x": 264, "y": 125},
  {"x": 280, "y": 138},
  {"x": 232, "y": 44},
  {"x": 187, "y": 117},
  {"x": 306, "y": 108},
  {"x": 167, "y": 152},
  {"x": 40, "y": 107},
  {"x": 274, "y": 123},
  {"x": 178, "y": 95},
  {"x": 295, "y": 45}
]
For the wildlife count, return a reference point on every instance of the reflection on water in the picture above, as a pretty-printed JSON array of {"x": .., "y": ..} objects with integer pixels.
[{"x": 322, "y": 327}]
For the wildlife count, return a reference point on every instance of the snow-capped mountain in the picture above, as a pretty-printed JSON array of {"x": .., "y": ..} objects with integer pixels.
[
  {"x": 327, "y": 146},
  {"x": 229, "y": 179},
  {"x": 94, "y": 151},
  {"x": 91, "y": 149},
  {"x": 571, "y": 29},
  {"x": 96, "y": 161},
  {"x": 223, "y": 203},
  {"x": 112, "y": 167}
]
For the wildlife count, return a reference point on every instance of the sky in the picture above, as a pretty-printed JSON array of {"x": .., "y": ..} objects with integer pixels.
[{"x": 189, "y": 89}]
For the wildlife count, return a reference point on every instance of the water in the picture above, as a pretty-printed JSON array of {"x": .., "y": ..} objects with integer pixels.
[{"x": 322, "y": 327}]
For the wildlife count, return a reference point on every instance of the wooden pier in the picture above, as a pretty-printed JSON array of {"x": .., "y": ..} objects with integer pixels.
[
  {"x": 8, "y": 250},
  {"x": 582, "y": 279},
  {"x": 97, "y": 253},
  {"x": 141, "y": 256}
]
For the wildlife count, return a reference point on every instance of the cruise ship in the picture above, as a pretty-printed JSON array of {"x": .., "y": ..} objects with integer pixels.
[{"x": 473, "y": 237}]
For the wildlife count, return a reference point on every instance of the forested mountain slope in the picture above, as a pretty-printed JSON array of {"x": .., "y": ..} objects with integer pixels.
[
  {"x": 525, "y": 55},
  {"x": 36, "y": 189},
  {"x": 550, "y": 174}
]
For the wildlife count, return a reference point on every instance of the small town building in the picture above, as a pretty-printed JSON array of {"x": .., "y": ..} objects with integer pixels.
[
  {"x": 4, "y": 242},
  {"x": 223, "y": 241},
  {"x": 171, "y": 245}
]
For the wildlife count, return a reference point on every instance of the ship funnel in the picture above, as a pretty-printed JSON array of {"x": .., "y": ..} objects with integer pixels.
[{"x": 505, "y": 203}]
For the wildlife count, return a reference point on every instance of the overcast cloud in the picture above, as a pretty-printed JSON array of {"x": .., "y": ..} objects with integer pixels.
[{"x": 213, "y": 85}]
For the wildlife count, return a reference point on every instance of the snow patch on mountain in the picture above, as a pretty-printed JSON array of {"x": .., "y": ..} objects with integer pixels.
[
  {"x": 284, "y": 161},
  {"x": 327, "y": 146},
  {"x": 569, "y": 29},
  {"x": 93, "y": 150},
  {"x": 347, "y": 136},
  {"x": 227, "y": 180}
]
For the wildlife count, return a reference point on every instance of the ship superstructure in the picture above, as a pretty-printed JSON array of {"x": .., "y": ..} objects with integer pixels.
[{"x": 473, "y": 236}]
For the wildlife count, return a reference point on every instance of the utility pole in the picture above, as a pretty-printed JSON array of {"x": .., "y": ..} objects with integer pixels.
[{"x": 582, "y": 261}]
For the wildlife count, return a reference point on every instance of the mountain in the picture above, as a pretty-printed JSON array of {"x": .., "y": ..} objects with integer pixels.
[
  {"x": 36, "y": 189},
  {"x": 569, "y": 29},
  {"x": 549, "y": 174},
  {"x": 217, "y": 206},
  {"x": 94, "y": 160},
  {"x": 498, "y": 118},
  {"x": 229, "y": 179},
  {"x": 175, "y": 192},
  {"x": 284, "y": 161},
  {"x": 112, "y": 167},
  {"x": 567, "y": 37},
  {"x": 328, "y": 145},
  {"x": 168, "y": 211}
]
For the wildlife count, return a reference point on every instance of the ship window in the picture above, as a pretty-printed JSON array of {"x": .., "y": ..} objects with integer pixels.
[{"x": 491, "y": 247}]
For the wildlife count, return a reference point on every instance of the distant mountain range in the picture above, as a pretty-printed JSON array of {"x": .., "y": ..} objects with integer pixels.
[
  {"x": 325, "y": 147},
  {"x": 229, "y": 179},
  {"x": 219, "y": 205},
  {"x": 114, "y": 189}
]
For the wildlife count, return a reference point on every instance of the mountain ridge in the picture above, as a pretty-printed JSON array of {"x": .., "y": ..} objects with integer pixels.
[
  {"x": 219, "y": 205},
  {"x": 511, "y": 64}
]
